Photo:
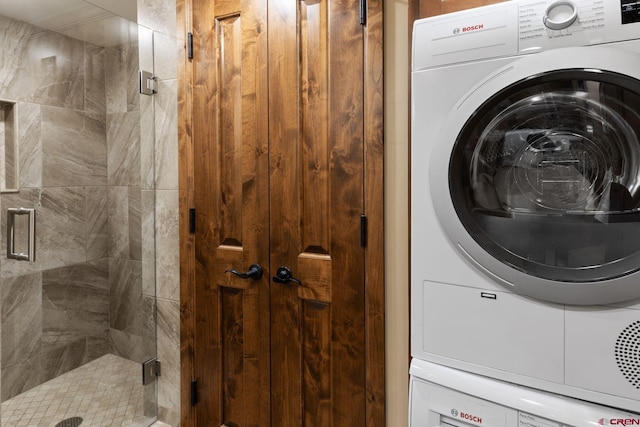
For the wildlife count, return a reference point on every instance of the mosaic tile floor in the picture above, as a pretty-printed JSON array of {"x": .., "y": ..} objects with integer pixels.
[{"x": 104, "y": 392}]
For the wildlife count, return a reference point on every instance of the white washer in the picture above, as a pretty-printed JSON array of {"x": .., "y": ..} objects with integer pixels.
[
  {"x": 525, "y": 212},
  {"x": 449, "y": 397}
]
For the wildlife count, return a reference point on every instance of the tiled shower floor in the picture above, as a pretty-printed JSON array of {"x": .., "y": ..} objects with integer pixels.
[{"x": 104, "y": 392}]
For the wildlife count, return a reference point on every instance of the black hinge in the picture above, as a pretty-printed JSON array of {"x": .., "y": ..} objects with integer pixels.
[
  {"x": 363, "y": 12},
  {"x": 190, "y": 45},
  {"x": 194, "y": 392},
  {"x": 192, "y": 220},
  {"x": 363, "y": 231}
]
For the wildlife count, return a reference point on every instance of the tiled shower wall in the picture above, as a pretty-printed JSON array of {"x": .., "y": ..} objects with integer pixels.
[
  {"x": 157, "y": 19},
  {"x": 80, "y": 162}
]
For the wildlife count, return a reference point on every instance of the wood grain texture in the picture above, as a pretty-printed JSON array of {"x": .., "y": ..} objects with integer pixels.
[
  {"x": 346, "y": 133},
  {"x": 231, "y": 200},
  {"x": 284, "y": 131},
  {"x": 186, "y": 191},
  {"x": 374, "y": 209},
  {"x": 315, "y": 275},
  {"x": 208, "y": 345},
  {"x": 284, "y": 223}
]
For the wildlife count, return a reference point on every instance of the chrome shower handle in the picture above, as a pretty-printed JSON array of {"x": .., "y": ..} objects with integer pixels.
[{"x": 11, "y": 235}]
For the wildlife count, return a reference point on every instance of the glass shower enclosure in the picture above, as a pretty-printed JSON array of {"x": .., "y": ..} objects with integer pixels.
[{"x": 77, "y": 280}]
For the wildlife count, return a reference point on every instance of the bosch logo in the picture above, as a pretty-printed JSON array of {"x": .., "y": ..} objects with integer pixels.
[
  {"x": 457, "y": 414},
  {"x": 619, "y": 422},
  {"x": 468, "y": 29},
  {"x": 471, "y": 418}
]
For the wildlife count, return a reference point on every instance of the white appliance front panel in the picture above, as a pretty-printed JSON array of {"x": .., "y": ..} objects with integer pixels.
[
  {"x": 441, "y": 394},
  {"x": 434, "y": 257},
  {"x": 494, "y": 329},
  {"x": 610, "y": 290},
  {"x": 603, "y": 350},
  {"x": 438, "y": 92},
  {"x": 511, "y": 28}
]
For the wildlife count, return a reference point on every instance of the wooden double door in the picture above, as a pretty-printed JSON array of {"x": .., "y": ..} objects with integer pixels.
[{"x": 288, "y": 325}]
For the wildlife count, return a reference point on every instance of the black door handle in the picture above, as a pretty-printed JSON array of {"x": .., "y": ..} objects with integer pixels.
[
  {"x": 255, "y": 272},
  {"x": 284, "y": 275}
]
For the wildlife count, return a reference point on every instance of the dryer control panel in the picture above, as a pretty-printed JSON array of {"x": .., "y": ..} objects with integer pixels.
[{"x": 522, "y": 27}]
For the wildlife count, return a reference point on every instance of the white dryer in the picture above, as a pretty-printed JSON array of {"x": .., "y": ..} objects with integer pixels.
[{"x": 525, "y": 180}]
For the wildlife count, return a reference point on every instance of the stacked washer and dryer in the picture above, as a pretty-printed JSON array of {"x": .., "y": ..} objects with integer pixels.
[{"x": 525, "y": 217}]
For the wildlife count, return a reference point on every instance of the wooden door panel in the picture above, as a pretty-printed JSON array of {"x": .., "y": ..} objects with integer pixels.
[
  {"x": 314, "y": 262},
  {"x": 346, "y": 133},
  {"x": 284, "y": 220},
  {"x": 316, "y": 146},
  {"x": 232, "y": 314},
  {"x": 278, "y": 129},
  {"x": 315, "y": 277}
]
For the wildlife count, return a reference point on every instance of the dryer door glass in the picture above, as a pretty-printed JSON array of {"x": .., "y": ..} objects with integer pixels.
[{"x": 545, "y": 176}]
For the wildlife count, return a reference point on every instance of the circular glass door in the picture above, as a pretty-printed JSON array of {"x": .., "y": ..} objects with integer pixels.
[{"x": 545, "y": 175}]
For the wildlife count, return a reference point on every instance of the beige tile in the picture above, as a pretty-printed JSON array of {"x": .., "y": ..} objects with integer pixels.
[
  {"x": 158, "y": 15},
  {"x": 30, "y": 152},
  {"x": 169, "y": 354},
  {"x": 166, "y": 117},
  {"x": 148, "y": 243},
  {"x": 21, "y": 319},
  {"x": 74, "y": 148},
  {"x": 165, "y": 56},
  {"x": 61, "y": 227},
  {"x": 167, "y": 245},
  {"x": 123, "y": 148},
  {"x": 125, "y": 228},
  {"x": 106, "y": 391},
  {"x": 96, "y": 223}
]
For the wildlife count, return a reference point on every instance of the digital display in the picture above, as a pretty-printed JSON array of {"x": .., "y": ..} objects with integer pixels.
[{"x": 630, "y": 11}]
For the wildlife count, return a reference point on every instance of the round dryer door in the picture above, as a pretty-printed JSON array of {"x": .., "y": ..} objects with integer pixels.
[{"x": 543, "y": 176}]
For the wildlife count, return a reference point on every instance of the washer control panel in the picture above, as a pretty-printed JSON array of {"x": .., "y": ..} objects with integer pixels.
[
  {"x": 560, "y": 15},
  {"x": 521, "y": 27},
  {"x": 551, "y": 24}
]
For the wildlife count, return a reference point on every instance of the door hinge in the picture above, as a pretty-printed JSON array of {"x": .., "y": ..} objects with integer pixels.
[
  {"x": 363, "y": 231},
  {"x": 148, "y": 83},
  {"x": 363, "y": 12},
  {"x": 190, "y": 45},
  {"x": 194, "y": 393},
  {"x": 192, "y": 220},
  {"x": 150, "y": 371}
]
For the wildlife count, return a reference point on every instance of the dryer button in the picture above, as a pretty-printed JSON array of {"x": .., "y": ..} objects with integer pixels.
[{"x": 560, "y": 15}]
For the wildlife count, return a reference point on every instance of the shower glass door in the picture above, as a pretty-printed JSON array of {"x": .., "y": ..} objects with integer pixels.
[{"x": 78, "y": 318}]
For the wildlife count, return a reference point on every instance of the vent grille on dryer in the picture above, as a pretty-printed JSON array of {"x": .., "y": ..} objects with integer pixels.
[{"x": 628, "y": 353}]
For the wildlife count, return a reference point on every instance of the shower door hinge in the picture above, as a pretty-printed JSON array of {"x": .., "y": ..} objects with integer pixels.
[
  {"x": 150, "y": 370},
  {"x": 148, "y": 83}
]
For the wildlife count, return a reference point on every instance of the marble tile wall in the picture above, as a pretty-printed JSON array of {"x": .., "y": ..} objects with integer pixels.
[
  {"x": 54, "y": 312},
  {"x": 132, "y": 307},
  {"x": 81, "y": 170},
  {"x": 110, "y": 188},
  {"x": 158, "y": 18}
]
